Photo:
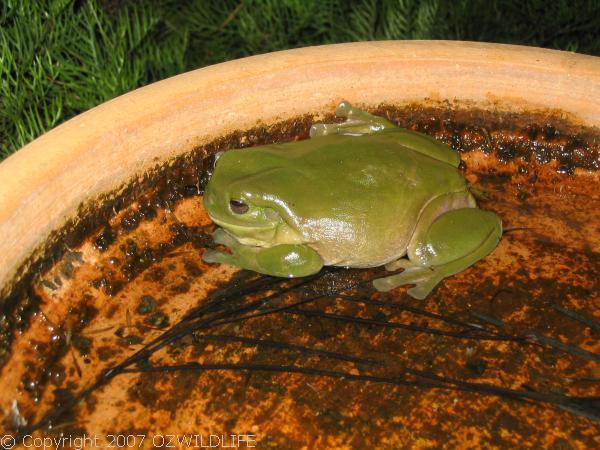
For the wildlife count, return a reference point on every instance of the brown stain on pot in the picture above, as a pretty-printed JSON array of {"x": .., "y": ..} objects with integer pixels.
[{"x": 133, "y": 269}]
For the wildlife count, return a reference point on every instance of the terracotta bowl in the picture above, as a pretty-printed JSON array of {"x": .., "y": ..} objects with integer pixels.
[{"x": 113, "y": 327}]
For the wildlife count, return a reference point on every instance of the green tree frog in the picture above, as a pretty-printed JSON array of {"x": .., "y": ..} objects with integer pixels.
[{"x": 361, "y": 193}]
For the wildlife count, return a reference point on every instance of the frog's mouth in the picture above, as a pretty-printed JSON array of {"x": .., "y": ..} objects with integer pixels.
[{"x": 255, "y": 234}]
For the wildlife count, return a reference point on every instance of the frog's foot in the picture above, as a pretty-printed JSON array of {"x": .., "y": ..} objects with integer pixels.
[
  {"x": 424, "y": 279},
  {"x": 401, "y": 263},
  {"x": 285, "y": 260},
  {"x": 357, "y": 123},
  {"x": 454, "y": 241},
  {"x": 221, "y": 237}
]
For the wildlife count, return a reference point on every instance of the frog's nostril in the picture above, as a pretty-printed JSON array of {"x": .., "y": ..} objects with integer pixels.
[{"x": 238, "y": 206}]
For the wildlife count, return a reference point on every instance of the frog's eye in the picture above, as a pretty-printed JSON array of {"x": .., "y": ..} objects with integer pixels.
[{"x": 238, "y": 206}]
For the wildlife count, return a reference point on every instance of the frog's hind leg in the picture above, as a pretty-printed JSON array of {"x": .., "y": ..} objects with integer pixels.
[
  {"x": 357, "y": 123},
  {"x": 285, "y": 260},
  {"x": 454, "y": 242}
]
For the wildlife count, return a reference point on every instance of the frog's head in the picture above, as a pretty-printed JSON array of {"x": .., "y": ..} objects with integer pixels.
[{"x": 239, "y": 198}]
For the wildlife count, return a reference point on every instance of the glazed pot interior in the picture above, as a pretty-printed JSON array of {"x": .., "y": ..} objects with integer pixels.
[{"x": 123, "y": 327}]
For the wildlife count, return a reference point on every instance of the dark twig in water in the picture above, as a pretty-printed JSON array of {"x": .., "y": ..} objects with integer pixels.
[
  {"x": 554, "y": 343},
  {"x": 229, "y": 294},
  {"x": 583, "y": 380},
  {"x": 530, "y": 338},
  {"x": 590, "y": 322},
  {"x": 537, "y": 338},
  {"x": 193, "y": 366},
  {"x": 495, "y": 297},
  {"x": 193, "y": 321},
  {"x": 411, "y": 309},
  {"x": 266, "y": 312},
  {"x": 239, "y": 304},
  {"x": 381, "y": 323},
  {"x": 586, "y": 406},
  {"x": 286, "y": 346},
  {"x": 488, "y": 319},
  {"x": 498, "y": 293}
]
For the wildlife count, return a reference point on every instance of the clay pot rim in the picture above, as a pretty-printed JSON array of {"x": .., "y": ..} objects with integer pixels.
[{"x": 97, "y": 152}]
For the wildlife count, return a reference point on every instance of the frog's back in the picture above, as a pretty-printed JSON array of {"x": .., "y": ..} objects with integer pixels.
[{"x": 369, "y": 172}]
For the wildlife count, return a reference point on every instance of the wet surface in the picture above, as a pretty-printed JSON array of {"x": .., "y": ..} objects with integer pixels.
[{"x": 505, "y": 354}]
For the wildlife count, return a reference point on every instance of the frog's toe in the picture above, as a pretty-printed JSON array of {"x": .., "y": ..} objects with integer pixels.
[
  {"x": 214, "y": 256},
  {"x": 343, "y": 109},
  {"x": 410, "y": 275},
  {"x": 421, "y": 290},
  {"x": 401, "y": 263},
  {"x": 357, "y": 123},
  {"x": 220, "y": 236},
  {"x": 424, "y": 279}
]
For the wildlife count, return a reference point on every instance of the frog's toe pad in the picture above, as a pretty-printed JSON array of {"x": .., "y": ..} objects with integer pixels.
[
  {"x": 319, "y": 129},
  {"x": 343, "y": 109}
]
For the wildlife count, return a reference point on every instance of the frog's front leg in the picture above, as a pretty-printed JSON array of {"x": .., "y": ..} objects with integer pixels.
[
  {"x": 357, "y": 123},
  {"x": 285, "y": 260},
  {"x": 452, "y": 243}
]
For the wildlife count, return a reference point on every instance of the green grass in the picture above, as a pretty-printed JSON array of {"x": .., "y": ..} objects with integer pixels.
[
  {"x": 57, "y": 60},
  {"x": 61, "y": 57}
]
